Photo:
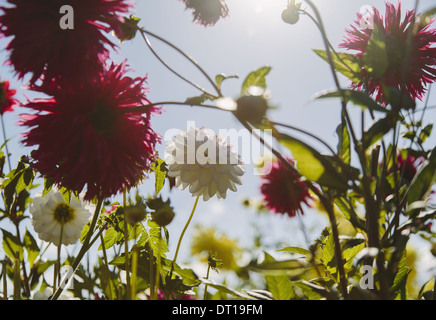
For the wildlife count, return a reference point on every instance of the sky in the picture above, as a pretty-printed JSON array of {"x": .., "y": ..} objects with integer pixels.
[{"x": 251, "y": 37}]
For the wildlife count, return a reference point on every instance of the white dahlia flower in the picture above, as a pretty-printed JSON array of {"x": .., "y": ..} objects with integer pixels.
[
  {"x": 48, "y": 292},
  {"x": 205, "y": 162},
  {"x": 51, "y": 213}
]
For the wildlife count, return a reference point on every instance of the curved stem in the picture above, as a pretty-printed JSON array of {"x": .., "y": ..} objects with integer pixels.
[
  {"x": 195, "y": 63},
  {"x": 183, "y": 233}
]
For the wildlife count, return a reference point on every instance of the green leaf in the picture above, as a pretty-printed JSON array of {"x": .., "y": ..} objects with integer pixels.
[
  {"x": 426, "y": 17},
  {"x": 12, "y": 245},
  {"x": 400, "y": 280},
  {"x": 375, "y": 58},
  {"x": 298, "y": 250},
  {"x": 344, "y": 63},
  {"x": 328, "y": 251},
  {"x": 255, "y": 78},
  {"x": 350, "y": 253},
  {"x": 358, "y": 98},
  {"x": 425, "y": 133},
  {"x": 313, "y": 165},
  {"x": 424, "y": 179},
  {"x": 160, "y": 172},
  {"x": 225, "y": 289},
  {"x": 377, "y": 130},
  {"x": 111, "y": 237},
  {"x": 198, "y": 100},
  {"x": 280, "y": 287},
  {"x": 310, "y": 290},
  {"x": 344, "y": 143},
  {"x": 31, "y": 247},
  {"x": 221, "y": 77}
]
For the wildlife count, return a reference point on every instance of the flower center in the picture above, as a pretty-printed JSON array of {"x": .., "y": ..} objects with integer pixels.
[
  {"x": 63, "y": 213},
  {"x": 102, "y": 120}
]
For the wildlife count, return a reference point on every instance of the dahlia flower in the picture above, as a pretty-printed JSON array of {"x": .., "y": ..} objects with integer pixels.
[
  {"x": 207, "y": 12},
  {"x": 410, "y": 55},
  {"x": 42, "y": 48},
  {"x": 283, "y": 192},
  {"x": 205, "y": 162},
  {"x": 7, "y": 102},
  {"x": 51, "y": 214},
  {"x": 85, "y": 136},
  {"x": 207, "y": 239}
]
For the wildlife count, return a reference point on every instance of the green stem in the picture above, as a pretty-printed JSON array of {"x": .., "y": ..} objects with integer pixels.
[
  {"x": 183, "y": 233},
  {"x": 207, "y": 277},
  {"x": 103, "y": 247},
  {"x": 85, "y": 246},
  {"x": 56, "y": 276},
  {"x": 158, "y": 265},
  {"x": 126, "y": 246}
]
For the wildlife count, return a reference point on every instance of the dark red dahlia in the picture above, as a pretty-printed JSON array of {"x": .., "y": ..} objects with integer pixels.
[
  {"x": 85, "y": 137},
  {"x": 41, "y": 47},
  {"x": 207, "y": 12},
  {"x": 408, "y": 167},
  {"x": 283, "y": 192},
  {"x": 7, "y": 102},
  {"x": 410, "y": 55}
]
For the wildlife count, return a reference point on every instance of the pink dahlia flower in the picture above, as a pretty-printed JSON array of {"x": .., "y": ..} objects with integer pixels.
[
  {"x": 85, "y": 136},
  {"x": 283, "y": 192},
  {"x": 42, "y": 48},
  {"x": 410, "y": 55},
  {"x": 207, "y": 12},
  {"x": 7, "y": 102}
]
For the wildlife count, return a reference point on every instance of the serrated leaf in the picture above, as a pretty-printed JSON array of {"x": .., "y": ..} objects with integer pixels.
[
  {"x": 377, "y": 131},
  {"x": 111, "y": 237},
  {"x": 32, "y": 248},
  {"x": 12, "y": 245},
  {"x": 160, "y": 171},
  {"x": 313, "y": 165},
  {"x": 424, "y": 179},
  {"x": 344, "y": 63},
  {"x": 310, "y": 290},
  {"x": 375, "y": 58},
  {"x": 358, "y": 98},
  {"x": 344, "y": 143},
  {"x": 298, "y": 250},
  {"x": 226, "y": 289},
  {"x": 280, "y": 287},
  {"x": 256, "y": 78}
]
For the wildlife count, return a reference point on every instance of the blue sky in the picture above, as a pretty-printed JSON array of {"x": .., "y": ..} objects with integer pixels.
[{"x": 251, "y": 37}]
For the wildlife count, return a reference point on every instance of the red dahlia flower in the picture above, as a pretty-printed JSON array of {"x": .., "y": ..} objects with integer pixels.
[
  {"x": 7, "y": 102},
  {"x": 410, "y": 55},
  {"x": 41, "y": 47},
  {"x": 86, "y": 138},
  {"x": 207, "y": 12},
  {"x": 283, "y": 191}
]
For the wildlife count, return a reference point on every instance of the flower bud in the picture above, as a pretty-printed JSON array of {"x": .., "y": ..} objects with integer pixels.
[
  {"x": 135, "y": 214},
  {"x": 163, "y": 216},
  {"x": 290, "y": 14},
  {"x": 126, "y": 30},
  {"x": 251, "y": 108}
]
